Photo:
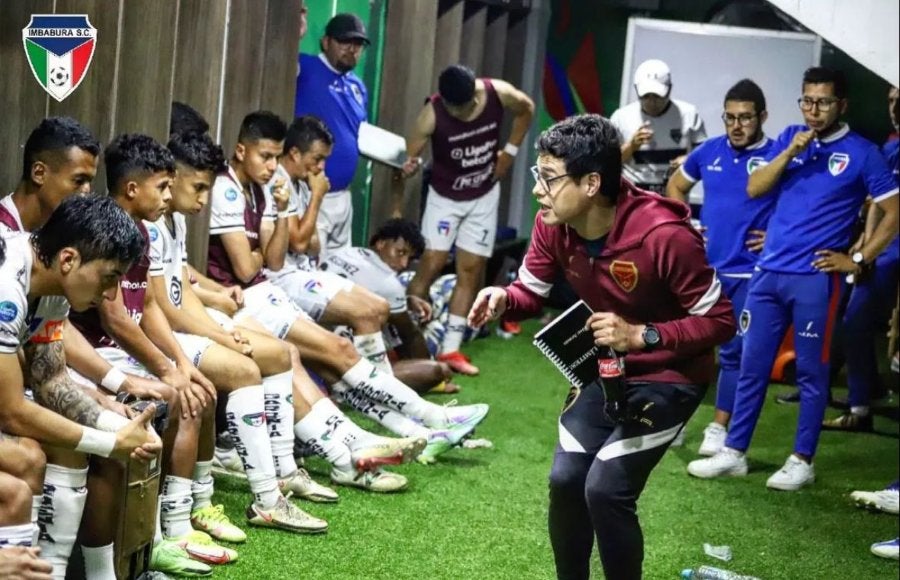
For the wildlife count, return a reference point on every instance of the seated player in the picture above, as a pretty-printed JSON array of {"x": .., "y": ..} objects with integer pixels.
[
  {"x": 236, "y": 258},
  {"x": 18, "y": 557},
  {"x": 290, "y": 393},
  {"x": 327, "y": 299},
  {"x": 76, "y": 258},
  {"x": 376, "y": 268}
]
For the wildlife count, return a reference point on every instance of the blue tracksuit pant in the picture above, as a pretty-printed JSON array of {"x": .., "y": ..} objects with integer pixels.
[
  {"x": 774, "y": 301},
  {"x": 730, "y": 352}
]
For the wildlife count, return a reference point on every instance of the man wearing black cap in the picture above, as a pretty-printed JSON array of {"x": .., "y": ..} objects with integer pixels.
[{"x": 328, "y": 89}]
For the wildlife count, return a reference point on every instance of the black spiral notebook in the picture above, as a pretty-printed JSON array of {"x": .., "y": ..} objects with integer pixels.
[{"x": 570, "y": 346}]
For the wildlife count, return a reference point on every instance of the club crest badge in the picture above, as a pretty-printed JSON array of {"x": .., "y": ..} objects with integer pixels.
[
  {"x": 754, "y": 163},
  {"x": 744, "y": 322},
  {"x": 837, "y": 163},
  {"x": 625, "y": 274},
  {"x": 59, "y": 48}
]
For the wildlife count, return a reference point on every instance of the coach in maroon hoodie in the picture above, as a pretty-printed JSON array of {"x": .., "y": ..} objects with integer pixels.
[{"x": 640, "y": 266}]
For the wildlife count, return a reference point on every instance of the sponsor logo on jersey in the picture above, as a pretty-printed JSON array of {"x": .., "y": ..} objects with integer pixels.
[
  {"x": 8, "y": 311},
  {"x": 231, "y": 194},
  {"x": 625, "y": 274},
  {"x": 570, "y": 398},
  {"x": 175, "y": 291},
  {"x": 715, "y": 166},
  {"x": 676, "y": 135},
  {"x": 837, "y": 163},
  {"x": 153, "y": 233}
]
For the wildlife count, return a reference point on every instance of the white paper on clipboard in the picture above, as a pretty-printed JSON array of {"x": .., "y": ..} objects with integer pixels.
[{"x": 381, "y": 145}]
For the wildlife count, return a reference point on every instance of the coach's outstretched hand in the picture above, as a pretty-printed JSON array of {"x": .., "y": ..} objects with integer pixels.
[
  {"x": 489, "y": 304},
  {"x": 137, "y": 439}
]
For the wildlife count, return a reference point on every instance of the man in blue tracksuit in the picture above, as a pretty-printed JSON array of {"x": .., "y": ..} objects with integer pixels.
[
  {"x": 734, "y": 223},
  {"x": 825, "y": 171},
  {"x": 871, "y": 301},
  {"x": 328, "y": 89}
]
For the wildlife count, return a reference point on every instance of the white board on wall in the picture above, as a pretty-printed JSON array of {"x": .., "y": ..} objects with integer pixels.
[{"x": 707, "y": 59}]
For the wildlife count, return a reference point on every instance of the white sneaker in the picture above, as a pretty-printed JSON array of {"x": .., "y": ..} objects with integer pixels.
[
  {"x": 713, "y": 439},
  {"x": 886, "y": 500},
  {"x": 679, "y": 439},
  {"x": 726, "y": 462},
  {"x": 793, "y": 475}
]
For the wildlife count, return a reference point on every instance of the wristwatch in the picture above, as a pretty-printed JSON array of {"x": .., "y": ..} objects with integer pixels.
[
  {"x": 651, "y": 337},
  {"x": 858, "y": 259}
]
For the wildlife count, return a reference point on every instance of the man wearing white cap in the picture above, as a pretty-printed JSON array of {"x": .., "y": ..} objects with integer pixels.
[{"x": 656, "y": 131}]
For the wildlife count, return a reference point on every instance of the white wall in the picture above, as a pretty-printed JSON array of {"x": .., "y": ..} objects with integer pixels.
[{"x": 867, "y": 30}]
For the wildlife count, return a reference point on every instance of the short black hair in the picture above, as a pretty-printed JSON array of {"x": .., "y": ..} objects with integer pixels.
[
  {"x": 456, "y": 85},
  {"x": 132, "y": 155},
  {"x": 818, "y": 75},
  {"x": 261, "y": 125},
  {"x": 186, "y": 119},
  {"x": 306, "y": 130},
  {"x": 747, "y": 91},
  {"x": 94, "y": 225},
  {"x": 400, "y": 229},
  {"x": 197, "y": 151},
  {"x": 587, "y": 144},
  {"x": 52, "y": 138}
]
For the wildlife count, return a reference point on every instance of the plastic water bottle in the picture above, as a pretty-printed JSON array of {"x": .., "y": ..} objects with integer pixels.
[{"x": 712, "y": 573}]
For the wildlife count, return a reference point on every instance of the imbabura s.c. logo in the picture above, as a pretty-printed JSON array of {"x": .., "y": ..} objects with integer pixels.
[{"x": 59, "y": 48}]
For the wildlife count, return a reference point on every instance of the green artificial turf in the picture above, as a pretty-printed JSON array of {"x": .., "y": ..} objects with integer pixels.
[{"x": 480, "y": 514}]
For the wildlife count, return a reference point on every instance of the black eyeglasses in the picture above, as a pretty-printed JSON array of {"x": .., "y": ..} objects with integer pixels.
[
  {"x": 824, "y": 105},
  {"x": 742, "y": 120},
  {"x": 545, "y": 182}
]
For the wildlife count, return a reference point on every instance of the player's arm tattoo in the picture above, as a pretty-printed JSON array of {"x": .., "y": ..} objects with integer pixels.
[{"x": 53, "y": 387}]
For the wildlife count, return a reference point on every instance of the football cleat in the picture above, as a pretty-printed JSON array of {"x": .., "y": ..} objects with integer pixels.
[
  {"x": 303, "y": 486},
  {"x": 170, "y": 558},
  {"x": 886, "y": 500},
  {"x": 227, "y": 462},
  {"x": 285, "y": 515},
  {"x": 459, "y": 362},
  {"x": 202, "y": 548},
  {"x": 212, "y": 520},
  {"x": 386, "y": 451},
  {"x": 377, "y": 481},
  {"x": 889, "y": 549}
]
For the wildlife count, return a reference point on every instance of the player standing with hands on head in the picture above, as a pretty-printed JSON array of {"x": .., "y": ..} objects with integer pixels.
[
  {"x": 824, "y": 171},
  {"x": 636, "y": 261},
  {"x": 463, "y": 121}
]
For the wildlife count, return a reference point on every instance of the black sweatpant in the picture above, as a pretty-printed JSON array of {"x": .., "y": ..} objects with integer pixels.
[{"x": 600, "y": 469}]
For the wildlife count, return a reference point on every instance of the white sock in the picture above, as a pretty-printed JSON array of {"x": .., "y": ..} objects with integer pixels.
[
  {"x": 371, "y": 346},
  {"x": 18, "y": 535},
  {"x": 862, "y": 410},
  {"x": 99, "y": 563},
  {"x": 246, "y": 422},
  {"x": 364, "y": 379},
  {"x": 317, "y": 431},
  {"x": 157, "y": 533},
  {"x": 65, "y": 491},
  {"x": 397, "y": 423},
  {"x": 175, "y": 506},
  {"x": 345, "y": 429},
  {"x": 456, "y": 327},
  {"x": 280, "y": 417},
  {"x": 202, "y": 487}
]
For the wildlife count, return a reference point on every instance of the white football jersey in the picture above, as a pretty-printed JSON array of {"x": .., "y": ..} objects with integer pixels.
[
  {"x": 10, "y": 220},
  {"x": 365, "y": 268},
  {"x": 676, "y": 132},
  {"x": 168, "y": 253},
  {"x": 297, "y": 204},
  {"x": 19, "y": 324}
]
